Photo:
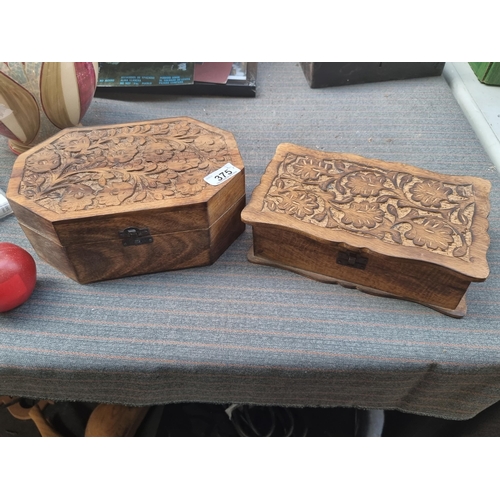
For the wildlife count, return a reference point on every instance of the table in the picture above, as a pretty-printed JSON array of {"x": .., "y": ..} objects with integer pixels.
[{"x": 236, "y": 332}]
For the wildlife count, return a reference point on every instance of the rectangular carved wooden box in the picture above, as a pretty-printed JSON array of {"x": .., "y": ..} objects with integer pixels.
[
  {"x": 384, "y": 228},
  {"x": 106, "y": 202}
]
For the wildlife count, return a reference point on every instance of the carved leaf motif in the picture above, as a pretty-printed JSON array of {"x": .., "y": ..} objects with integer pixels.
[
  {"x": 76, "y": 197},
  {"x": 365, "y": 184},
  {"x": 180, "y": 129},
  {"x": 298, "y": 203},
  {"x": 340, "y": 188},
  {"x": 396, "y": 237},
  {"x": 430, "y": 193},
  {"x": 320, "y": 216},
  {"x": 39, "y": 182},
  {"x": 462, "y": 217},
  {"x": 363, "y": 214},
  {"x": 115, "y": 193},
  {"x": 463, "y": 191},
  {"x": 392, "y": 210},
  {"x": 405, "y": 179},
  {"x": 326, "y": 184},
  {"x": 140, "y": 196},
  {"x": 392, "y": 176},
  {"x": 431, "y": 232},
  {"x": 378, "y": 233},
  {"x": 43, "y": 161},
  {"x": 52, "y": 204},
  {"x": 332, "y": 224},
  {"x": 339, "y": 165},
  {"x": 307, "y": 169},
  {"x": 460, "y": 251}
]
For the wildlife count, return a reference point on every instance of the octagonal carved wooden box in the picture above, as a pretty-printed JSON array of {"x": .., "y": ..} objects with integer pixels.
[
  {"x": 111, "y": 201},
  {"x": 385, "y": 228}
]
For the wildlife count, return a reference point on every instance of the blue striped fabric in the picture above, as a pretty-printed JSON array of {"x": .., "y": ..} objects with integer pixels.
[{"x": 237, "y": 332}]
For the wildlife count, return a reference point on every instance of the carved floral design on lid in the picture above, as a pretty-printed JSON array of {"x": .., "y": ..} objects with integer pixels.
[
  {"x": 297, "y": 203},
  {"x": 42, "y": 162},
  {"x": 209, "y": 144},
  {"x": 158, "y": 152},
  {"x": 121, "y": 153},
  {"x": 365, "y": 183},
  {"x": 190, "y": 183},
  {"x": 362, "y": 214},
  {"x": 74, "y": 143},
  {"x": 123, "y": 165},
  {"x": 76, "y": 197},
  {"x": 395, "y": 207},
  {"x": 306, "y": 169},
  {"x": 430, "y": 193},
  {"x": 432, "y": 233}
]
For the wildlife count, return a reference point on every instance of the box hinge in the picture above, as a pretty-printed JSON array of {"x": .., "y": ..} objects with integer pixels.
[
  {"x": 352, "y": 259},
  {"x": 135, "y": 236}
]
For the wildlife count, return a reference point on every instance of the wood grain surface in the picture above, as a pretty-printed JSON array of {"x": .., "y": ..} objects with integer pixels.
[
  {"x": 75, "y": 193},
  {"x": 392, "y": 209},
  {"x": 458, "y": 312},
  {"x": 420, "y": 235}
]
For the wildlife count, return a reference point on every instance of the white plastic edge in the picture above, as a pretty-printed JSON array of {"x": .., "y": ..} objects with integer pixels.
[{"x": 456, "y": 75}]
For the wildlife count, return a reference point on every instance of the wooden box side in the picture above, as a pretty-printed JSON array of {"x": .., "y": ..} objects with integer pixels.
[
  {"x": 105, "y": 260},
  {"x": 223, "y": 200},
  {"x": 109, "y": 259},
  {"x": 157, "y": 221},
  {"x": 51, "y": 252},
  {"x": 35, "y": 222},
  {"x": 417, "y": 281},
  {"x": 391, "y": 209},
  {"x": 226, "y": 229}
]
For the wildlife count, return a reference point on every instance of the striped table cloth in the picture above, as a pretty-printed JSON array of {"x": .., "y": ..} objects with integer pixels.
[{"x": 236, "y": 332}]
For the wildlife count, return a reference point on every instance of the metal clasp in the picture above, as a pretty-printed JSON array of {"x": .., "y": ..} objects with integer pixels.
[
  {"x": 352, "y": 259},
  {"x": 135, "y": 236}
]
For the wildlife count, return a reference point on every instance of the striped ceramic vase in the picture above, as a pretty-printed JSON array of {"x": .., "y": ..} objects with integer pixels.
[{"x": 40, "y": 98}]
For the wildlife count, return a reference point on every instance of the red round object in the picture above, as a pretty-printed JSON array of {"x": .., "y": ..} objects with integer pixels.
[{"x": 17, "y": 276}]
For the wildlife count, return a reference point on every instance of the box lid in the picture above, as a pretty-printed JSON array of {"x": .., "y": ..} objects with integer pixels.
[
  {"x": 84, "y": 182},
  {"x": 388, "y": 208}
]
